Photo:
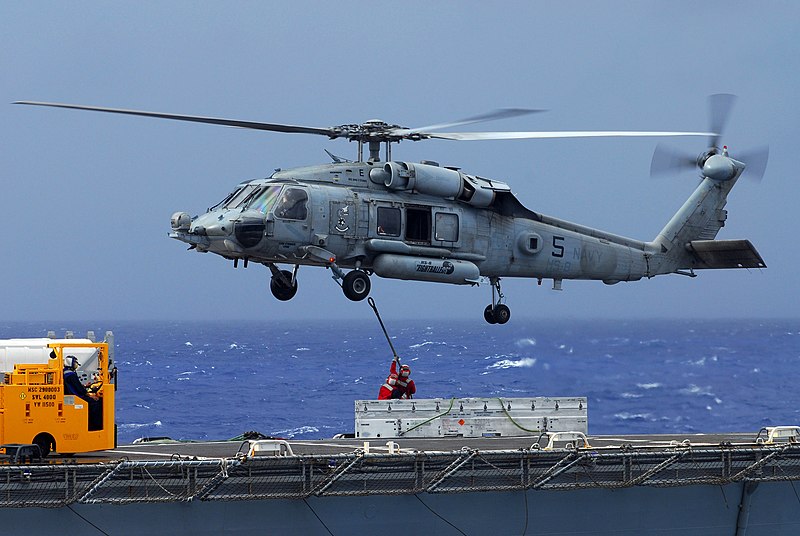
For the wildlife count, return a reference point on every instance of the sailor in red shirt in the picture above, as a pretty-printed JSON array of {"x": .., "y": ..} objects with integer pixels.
[
  {"x": 404, "y": 386},
  {"x": 389, "y": 387}
]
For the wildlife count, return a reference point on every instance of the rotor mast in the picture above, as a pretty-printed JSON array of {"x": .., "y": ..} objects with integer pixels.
[{"x": 374, "y": 133}]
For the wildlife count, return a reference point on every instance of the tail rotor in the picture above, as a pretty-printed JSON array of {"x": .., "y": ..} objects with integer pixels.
[{"x": 714, "y": 162}]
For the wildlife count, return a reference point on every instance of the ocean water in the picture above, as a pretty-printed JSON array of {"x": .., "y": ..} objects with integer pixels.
[{"x": 193, "y": 380}]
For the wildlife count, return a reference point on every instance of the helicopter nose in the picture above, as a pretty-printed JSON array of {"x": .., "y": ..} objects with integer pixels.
[
  {"x": 217, "y": 229},
  {"x": 180, "y": 221},
  {"x": 211, "y": 227}
]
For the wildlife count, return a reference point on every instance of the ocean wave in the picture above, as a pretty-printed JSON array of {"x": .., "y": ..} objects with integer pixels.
[
  {"x": 631, "y": 395},
  {"x": 508, "y": 363},
  {"x": 653, "y": 342},
  {"x": 633, "y": 416},
  {"x": 653, "y": 385},
  {"x": 427, "y": 343},
  {"x": 291, "y": 432},
  {"x": 187, "y": 343},
  {"x": 696, "y": 390},
  {"x": 436, "y": 343},
  {"x": 526, "y": 342},
  {"x": 137, "y": 426}
]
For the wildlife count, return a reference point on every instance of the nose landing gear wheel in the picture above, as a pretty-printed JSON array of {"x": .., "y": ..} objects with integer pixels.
[
  {"x": 280, "y": 289},
  {"x": 356, "y": 285}
]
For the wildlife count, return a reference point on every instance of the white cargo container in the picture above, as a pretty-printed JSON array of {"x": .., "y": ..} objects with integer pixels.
[{"x": 469, "y": 417}]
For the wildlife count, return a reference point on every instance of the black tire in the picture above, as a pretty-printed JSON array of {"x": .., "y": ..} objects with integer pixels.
[
  {"x": 488, "y": 314},
  {"x": 280, "y": 290},
  {"x": 501, "y": 314},
  {"x": 45, "y": 442},
  {"x": 356, "y": 285}
]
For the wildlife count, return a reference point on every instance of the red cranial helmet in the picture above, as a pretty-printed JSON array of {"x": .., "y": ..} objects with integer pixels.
[{"x": 405, "y": 371}]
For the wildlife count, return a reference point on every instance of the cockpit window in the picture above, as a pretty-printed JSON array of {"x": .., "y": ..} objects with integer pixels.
[
  {"x": 292, "y": 204},
  {"x": 264, "y": 199},
  {"x": 240, "y": 196},
  {"x": 228, "y": 197}
]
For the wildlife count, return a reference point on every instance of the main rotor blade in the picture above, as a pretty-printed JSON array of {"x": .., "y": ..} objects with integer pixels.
[
  {"x": 468, "y": 136},
  {"x": 719, "y": 109},
  {"x": 503, "y": 113},
  {"x": 275, "y": 127}
]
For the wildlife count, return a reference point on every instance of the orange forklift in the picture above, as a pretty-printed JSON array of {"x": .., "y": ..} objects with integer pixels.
[{"x": 34, "y": 409}]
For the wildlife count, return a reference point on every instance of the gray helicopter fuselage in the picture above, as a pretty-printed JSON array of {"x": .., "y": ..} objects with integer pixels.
[{"x": 463, "y": 228}]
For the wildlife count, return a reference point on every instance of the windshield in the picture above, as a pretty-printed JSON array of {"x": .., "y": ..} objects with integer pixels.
[
  {"x": 264, "y": 199},
  {"x": 240, "y": 196},
  {"x": 227, "y": 198}
]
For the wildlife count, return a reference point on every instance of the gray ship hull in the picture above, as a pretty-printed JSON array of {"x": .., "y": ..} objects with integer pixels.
[{"x": 772, "y": 508}]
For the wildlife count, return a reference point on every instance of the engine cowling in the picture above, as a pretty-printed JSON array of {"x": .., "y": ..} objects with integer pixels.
[
  {"x": 423, "y": 178},
  {"x": 433, "y": 180}
]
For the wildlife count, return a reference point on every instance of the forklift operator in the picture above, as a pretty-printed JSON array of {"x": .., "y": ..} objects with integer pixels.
[{"x": 73, "y": 386}]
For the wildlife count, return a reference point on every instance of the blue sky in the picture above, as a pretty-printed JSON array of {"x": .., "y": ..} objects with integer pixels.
[{"x": 89, "y": 196}]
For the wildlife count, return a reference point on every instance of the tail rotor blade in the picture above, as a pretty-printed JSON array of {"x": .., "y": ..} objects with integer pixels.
[
  {"x": 756, "y": 161},
  {"x": 719, "y": 109},
  {"x": 667, "y": 159}
]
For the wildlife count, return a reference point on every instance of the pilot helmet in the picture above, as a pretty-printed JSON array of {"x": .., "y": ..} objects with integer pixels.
[
  {"x": 71, "y": 362},
  {"x": 405, "y": 371}
]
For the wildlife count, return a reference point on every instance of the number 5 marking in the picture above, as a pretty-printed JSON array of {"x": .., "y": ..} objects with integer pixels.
[{"x": 557, "y": 247}]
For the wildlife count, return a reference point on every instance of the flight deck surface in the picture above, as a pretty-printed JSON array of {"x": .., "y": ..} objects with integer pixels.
[{"x": 160, "y": 450}]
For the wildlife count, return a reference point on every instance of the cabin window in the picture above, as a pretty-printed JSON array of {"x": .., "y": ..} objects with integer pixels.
[
  {"x": 447, "y": 227},
  {"x": 264, "y": 200},
  {"x": 418, "y": 224},
  {"x": 292, "y": 204},
  {"x": 388, "y": 223}
]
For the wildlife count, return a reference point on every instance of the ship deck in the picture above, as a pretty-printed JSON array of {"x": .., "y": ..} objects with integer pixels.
[{"x": 168, "y": 449}]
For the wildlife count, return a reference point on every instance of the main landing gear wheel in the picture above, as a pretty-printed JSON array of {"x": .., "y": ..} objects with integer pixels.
[
  {"x": 488, "y": 314},
  {"x": 498, "y": 314},
  {"x": 280, "y": 289},
  {"x": 356, "y": 285}
]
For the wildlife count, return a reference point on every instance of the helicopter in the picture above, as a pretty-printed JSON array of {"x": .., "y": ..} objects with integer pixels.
[{"x": 426, "y": 222}]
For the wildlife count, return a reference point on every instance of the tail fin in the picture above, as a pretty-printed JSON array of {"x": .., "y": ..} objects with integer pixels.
[{"x": 687, "y": 241}]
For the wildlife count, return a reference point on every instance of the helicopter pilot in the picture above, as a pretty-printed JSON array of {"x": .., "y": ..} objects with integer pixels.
[{"x": 292, "y": 205}]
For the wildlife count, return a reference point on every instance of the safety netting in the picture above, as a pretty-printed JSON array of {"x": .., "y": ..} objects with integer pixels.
[{"x": 359, "y": 473}]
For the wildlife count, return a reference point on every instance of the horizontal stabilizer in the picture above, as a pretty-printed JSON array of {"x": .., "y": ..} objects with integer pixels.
[{"x": 725, "y": 254}]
